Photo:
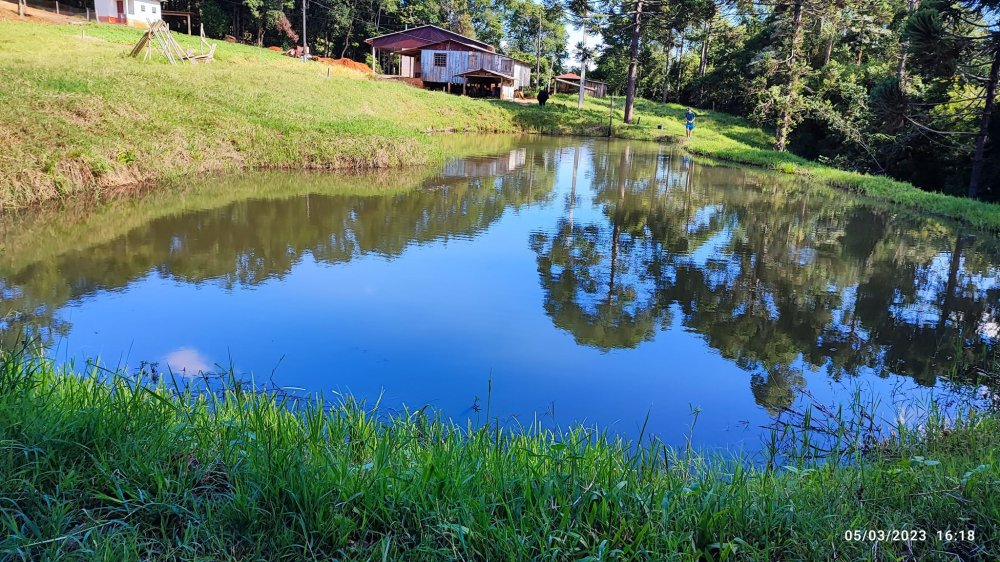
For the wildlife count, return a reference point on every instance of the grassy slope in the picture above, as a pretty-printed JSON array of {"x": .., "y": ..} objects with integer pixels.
[
  {"x": 84, "y": 117},
  {"x": 116, "y": 471},
  {"x": 724, "y": 137},
  {"x": 81, "y": 114}
]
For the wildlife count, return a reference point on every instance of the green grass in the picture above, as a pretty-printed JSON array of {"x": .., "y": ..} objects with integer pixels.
[
  {"x": 86, "y": 118},
  {"x": 110, "y": 469}
]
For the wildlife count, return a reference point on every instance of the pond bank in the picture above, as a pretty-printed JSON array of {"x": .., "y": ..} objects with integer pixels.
[
  {"x": 116, "y": 122},
  {"x": 95, "y": 467}
]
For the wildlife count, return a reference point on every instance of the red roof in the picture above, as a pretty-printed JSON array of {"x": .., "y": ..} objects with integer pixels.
[
  {"x": 419, "y": 37},
  {"x": 568, "y": 76}
]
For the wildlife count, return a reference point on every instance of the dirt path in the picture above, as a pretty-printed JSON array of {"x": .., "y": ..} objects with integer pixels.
[{"x": 8, "y": 12}]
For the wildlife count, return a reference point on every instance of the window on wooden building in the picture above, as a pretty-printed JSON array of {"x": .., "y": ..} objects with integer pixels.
[
  {"x": 507, "y": 66},
  {"x": 473, "y": 60},
  {"x": 440, "y": 59}
]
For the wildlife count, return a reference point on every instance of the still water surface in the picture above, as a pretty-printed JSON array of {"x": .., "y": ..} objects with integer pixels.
[{"x": 593, "y": 281}]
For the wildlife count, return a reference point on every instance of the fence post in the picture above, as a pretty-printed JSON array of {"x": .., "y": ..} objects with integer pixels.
[
  {"x": 88, "y": 13},
  {"x": 57, "y": 7}
]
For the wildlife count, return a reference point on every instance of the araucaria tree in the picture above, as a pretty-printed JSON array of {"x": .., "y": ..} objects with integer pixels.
[{"x": 956, "y": 48}]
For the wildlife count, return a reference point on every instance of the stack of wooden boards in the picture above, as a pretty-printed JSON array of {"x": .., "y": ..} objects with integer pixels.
[{"x": 159, "y": 33}]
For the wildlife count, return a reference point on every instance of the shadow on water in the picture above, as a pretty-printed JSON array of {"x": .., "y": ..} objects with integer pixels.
[{"x": 629, "y": 241}]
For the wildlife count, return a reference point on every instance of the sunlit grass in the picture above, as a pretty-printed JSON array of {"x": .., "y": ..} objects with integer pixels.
[
  {"x": 105, "y": 467},
  {"x": 86, "y": 117}
]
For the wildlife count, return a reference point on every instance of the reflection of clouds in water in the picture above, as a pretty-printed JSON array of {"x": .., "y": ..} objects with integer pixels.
[
  {"x": 990, "y": 329},
  {"x": 187, "y": 361}
]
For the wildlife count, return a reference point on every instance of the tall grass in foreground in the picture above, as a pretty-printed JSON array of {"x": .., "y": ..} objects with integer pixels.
[{"x": 106, "y": 466}]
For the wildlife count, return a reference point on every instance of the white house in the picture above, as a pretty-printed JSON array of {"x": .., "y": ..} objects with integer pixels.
[{"x": 137, "y": 13}]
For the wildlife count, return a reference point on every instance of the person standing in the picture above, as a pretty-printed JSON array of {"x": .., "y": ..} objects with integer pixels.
[{"x": 690, "y": 116}]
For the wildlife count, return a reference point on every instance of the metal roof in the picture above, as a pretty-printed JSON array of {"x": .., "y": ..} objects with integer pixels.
[{"x": 418, "y": 37}]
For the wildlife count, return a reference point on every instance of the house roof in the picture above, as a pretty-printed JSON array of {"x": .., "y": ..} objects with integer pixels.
[
  {"x": 482, "y": 71},
  {"x": 447, "y": 42},
  {"x": 419, "y": 37}
]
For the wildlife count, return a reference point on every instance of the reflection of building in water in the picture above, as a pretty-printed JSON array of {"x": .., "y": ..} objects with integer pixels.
[{"x": 485, "y": 166}]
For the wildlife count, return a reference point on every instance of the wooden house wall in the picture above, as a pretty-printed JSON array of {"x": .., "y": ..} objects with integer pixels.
[
  {"x": 522, "y": 75},
  {"x": 409, "y": 67},
  {"x": 458, "y": 62}
]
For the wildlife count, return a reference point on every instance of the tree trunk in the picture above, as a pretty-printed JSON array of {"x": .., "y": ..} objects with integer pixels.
[
  {"x": 260, "y": 31},
  {"x": 666, "y": 71},
  {"x": 785, "y": 122},
  {"x": 633, "y": 63},
  {"x": 984, "y": 120},
  {"x": 347, "y": 39},
  {"x": 680, "y": 69},
  {"x": 828, "y": 49},
  {"x": 703, "y": 65},
  {"x": 904, "y": 48}
]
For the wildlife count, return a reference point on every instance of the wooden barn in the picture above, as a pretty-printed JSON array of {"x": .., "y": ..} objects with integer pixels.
[
  {"x": 570, "y": 83},
  {"x": 445, "y": 60}
]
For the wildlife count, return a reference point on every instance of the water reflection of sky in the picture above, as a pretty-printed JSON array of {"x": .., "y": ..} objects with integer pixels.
[{"x": 437, "y": 311}]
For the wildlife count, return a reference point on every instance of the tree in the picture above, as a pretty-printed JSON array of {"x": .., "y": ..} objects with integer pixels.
[{"x": 956, "y": 42}]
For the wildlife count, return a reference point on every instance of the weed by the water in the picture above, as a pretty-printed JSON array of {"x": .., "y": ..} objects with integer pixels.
[{"x": 108, "y": 465}]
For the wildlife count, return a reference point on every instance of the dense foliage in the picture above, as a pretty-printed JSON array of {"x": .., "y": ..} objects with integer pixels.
[{"x": 885, "y": 86}]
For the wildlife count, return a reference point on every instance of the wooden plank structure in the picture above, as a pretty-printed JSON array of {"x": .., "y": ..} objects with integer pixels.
[
  {"x": 570, "y": 83},
  {"x": 159, "y": 33},
  {"x": 446, "y": 60}
]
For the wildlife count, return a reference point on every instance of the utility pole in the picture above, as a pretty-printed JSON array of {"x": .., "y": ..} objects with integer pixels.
[
  {"x": 583, "y": 69},
  {"x": 538, "y": 53},
  {"x": 305, "y": 44}
]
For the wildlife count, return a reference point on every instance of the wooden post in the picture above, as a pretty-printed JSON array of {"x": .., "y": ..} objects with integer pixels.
[
  {"x": 189, "y": 23},
  {"x": 374, "y": 72},
  {"x": 449, "y": 85},
  {"x": 88, "y": 14},
  {"x": 57, "y": 7},
  {"x": 463, "y": 86}
]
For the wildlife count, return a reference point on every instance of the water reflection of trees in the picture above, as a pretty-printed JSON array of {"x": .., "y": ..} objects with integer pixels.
[
  {"x": 775, "y": 278},
  {"x": 248, "y": 241}
]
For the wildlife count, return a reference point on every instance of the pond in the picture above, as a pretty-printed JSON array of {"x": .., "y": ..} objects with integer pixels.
[{"x": 558, "y": 280}]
